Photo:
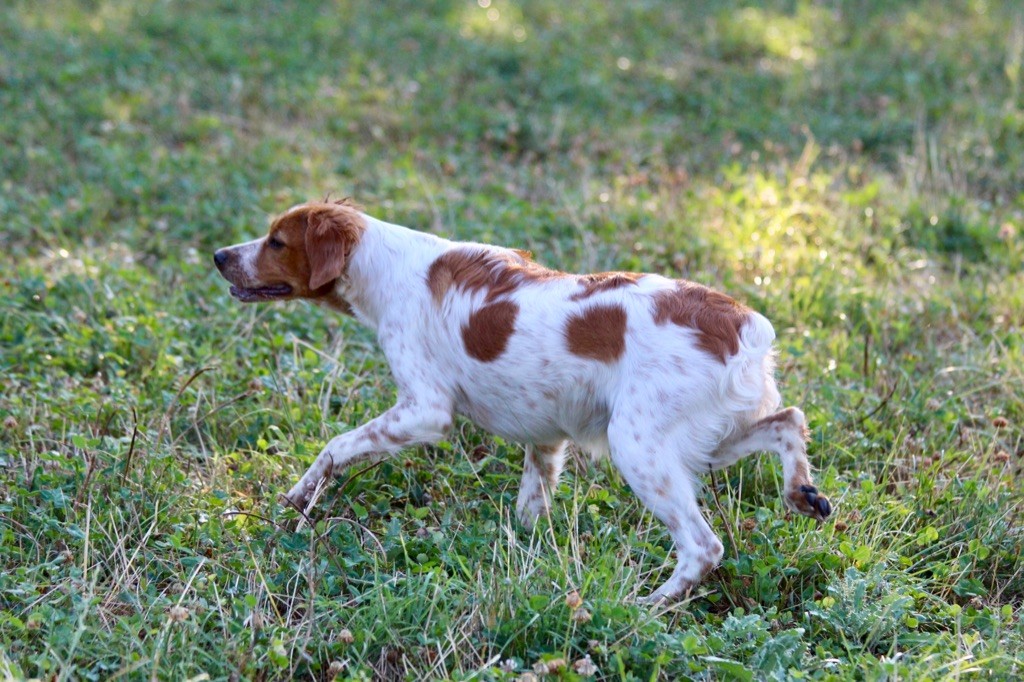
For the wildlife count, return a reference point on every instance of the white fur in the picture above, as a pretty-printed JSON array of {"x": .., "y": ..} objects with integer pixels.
[
  {"x": 246, "y": 254},
  {"x": 665, "y": 410}
]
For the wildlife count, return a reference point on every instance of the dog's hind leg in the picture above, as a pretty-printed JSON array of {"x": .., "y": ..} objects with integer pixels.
[
  {"x": 542, "y": 465},
  {"x": 784, "y": 433},
  {"x": 658, "y": 476}
]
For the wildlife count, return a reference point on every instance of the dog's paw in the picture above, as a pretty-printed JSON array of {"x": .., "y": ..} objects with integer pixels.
[
  {"x": 653, "y": 599},
  {"x": 526, "y": 520},
  {"x": 808, "y": 501},
  {"x": 669, "y": 593},
  {"x": 289, "y": 499},
  {"x": 299, "y": 496},
  {"x": 529, "y": 510}
]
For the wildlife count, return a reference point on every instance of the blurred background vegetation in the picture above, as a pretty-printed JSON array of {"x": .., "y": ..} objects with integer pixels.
[{"x": 853, "y": 169}]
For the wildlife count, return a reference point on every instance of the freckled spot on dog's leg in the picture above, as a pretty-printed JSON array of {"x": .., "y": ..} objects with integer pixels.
[
  {"x": 663, "y": 488},
  {"x": 672, "y": 523}
]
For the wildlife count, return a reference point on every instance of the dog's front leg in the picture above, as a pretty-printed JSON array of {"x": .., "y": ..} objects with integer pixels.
[{"x": 411, "y": 421}]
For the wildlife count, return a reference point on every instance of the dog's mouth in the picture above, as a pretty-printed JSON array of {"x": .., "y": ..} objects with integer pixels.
[{"x": 268, "y": 293}]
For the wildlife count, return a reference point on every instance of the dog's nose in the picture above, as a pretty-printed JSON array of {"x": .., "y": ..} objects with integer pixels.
[{"x": 220, "y": 257}]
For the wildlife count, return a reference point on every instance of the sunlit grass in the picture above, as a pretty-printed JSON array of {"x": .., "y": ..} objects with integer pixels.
[
  {"x": 797, "y": 37},
  {"x": 67, "y": 16},
  {"x": 492, "y": 20}
]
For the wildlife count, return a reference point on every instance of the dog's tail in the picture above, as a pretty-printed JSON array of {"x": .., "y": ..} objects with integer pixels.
[{"x": 748, "y": 384}]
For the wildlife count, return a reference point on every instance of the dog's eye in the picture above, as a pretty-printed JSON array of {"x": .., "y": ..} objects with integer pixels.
[{"x": 275, "y": 243}]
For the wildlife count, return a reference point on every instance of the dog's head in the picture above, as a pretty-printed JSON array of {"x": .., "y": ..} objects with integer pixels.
[{"x": 305, "y": 251}]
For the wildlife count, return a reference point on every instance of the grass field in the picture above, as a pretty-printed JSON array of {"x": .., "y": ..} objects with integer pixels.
[{"x": 854, "y": 170}]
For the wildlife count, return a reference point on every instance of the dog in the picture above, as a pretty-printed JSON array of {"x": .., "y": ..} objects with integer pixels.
[{"x": 668, "y": 377}]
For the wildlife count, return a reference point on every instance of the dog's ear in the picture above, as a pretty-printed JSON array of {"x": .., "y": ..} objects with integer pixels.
[{"x": 332, "y": 231}]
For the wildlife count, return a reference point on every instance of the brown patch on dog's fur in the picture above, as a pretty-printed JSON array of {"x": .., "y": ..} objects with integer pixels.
[
  {"x": 487, "y": 333},
  {"x": 336, "y": 302},
  {"x": 604, "y": 281},
  {"x": 474, "y": 269},
  {"x": 785, "y": 415},
  {"x": 802, "y": 475},
  {"x": 540, "y": 457},
  {"x": 331, "y": 233},
  {"x": 717, "y": 318},
  {"x": 599, "y": 332}
]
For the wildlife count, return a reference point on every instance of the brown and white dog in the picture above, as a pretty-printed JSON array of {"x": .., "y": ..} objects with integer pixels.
[{"x": 670, "y": 378}]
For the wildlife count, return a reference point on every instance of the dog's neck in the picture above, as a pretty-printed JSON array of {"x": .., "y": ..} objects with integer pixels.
[{"x": 387, "y": 268}]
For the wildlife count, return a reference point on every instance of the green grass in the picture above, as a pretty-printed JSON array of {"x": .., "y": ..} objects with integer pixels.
[{"x": 852, "y": 169}]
